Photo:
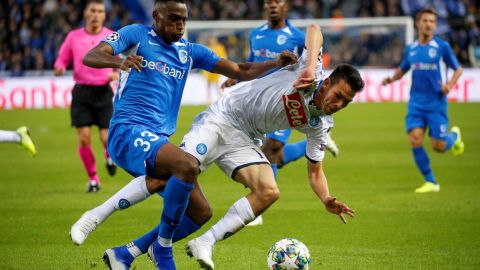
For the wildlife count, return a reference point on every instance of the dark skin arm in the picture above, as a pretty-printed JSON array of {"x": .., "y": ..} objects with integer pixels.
[
  {"x": 249, "y": 71},
  {"x": 102, "y": 57}
]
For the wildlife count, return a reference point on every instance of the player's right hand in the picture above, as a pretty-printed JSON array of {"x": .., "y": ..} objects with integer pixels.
[
  {"x": 305, "y": 80},
  {"x": 228, "y": 83},
  {"x": 386, "y": 81},
  {"x": 132, "y": 61},
  {"x": 59, "y": 71},
  {"x": 286, "y": 58},
  {"x": 338, "y": 208}
]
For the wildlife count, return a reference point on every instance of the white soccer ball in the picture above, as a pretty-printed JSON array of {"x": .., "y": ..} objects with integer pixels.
[{"x": 288, "y": 254}]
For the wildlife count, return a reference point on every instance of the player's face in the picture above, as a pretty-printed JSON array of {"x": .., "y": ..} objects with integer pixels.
[
  {"x": 334, "y": 97},
  {"x": 94, "y": 15},
  {"x": 276, "y": 9},
  {"x": 426, "y": 24},
  {"x": 170, "y": 20}
]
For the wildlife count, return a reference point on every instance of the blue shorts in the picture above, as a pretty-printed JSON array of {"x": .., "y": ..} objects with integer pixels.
[
  {"x": 134, "y": 147},
  {"x": 437, "y": 122},
  {"x": 281, "y": 135}
]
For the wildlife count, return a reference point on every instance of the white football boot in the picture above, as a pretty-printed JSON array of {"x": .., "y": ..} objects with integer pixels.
[
  {"x": 256, "y": 222},
  {"x": 202, "y": 251},
  {"x": 83, "y": 227}
]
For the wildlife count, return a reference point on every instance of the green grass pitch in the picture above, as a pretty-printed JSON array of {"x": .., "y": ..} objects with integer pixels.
[{"x": 394, "y": 228}]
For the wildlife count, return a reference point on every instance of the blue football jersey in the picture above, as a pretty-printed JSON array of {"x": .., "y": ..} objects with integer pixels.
[
  {"x": 152, "y": 97},
  {"x": 267, "y": 44},
  {"x": 425, "y": 62}
]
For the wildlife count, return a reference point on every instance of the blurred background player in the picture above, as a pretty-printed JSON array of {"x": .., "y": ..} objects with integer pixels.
[
  {"x": 427, "y": 106},
  {"x": 20, "y": 136},
  {"x": 92, "y": 95},
  {"x": 266, "y": 42},
  {"x": 213, "y": 78}
]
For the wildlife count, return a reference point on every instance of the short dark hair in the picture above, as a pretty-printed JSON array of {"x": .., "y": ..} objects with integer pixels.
[
  {"x": 94, "y": 2},
  {"x": 425, "y": 11},
  {"x": 164, "y": 1},
  {"x": 350, "y": 75}
]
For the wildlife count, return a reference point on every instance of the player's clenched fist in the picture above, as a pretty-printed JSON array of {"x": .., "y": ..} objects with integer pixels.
[
  {"x": 132, "y": 61},
  {"x": 286, "y": 58}
]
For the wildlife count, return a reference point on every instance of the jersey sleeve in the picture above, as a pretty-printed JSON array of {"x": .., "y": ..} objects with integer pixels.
[
  {"x": 203, "y": 57},
  {"x": 316, "y": 142},
  {"x": 65, "y": 54},
  {"x": 449, "y": 57},
  {"x": 124, "y": 39},
  {"x": 317, "y": 139},
  {"x": 405, "y": 64}
]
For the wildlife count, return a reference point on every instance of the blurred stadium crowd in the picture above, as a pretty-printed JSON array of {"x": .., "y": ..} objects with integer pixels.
[{"x": 31, "y": 32}]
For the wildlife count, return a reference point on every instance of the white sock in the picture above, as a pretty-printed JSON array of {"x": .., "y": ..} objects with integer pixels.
[
  {"x": 10, "y": 136},
  {"x": 131, "y": 194},
  {"x": 235, "y": 219}
]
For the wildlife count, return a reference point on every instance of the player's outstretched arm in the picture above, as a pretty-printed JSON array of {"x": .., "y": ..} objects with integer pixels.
[
  {"x": 396, "y": 76},
  {"x": 319, "y": 185},
  {"x": 252, "y": 70},
  {"x": 313, "y": 43},
  {"x": 102, "y": 57}
]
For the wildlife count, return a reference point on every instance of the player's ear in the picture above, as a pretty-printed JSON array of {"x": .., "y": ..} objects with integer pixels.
[
  {"x": 155, "y": 14},
  {"x": 327, "y": 82}
]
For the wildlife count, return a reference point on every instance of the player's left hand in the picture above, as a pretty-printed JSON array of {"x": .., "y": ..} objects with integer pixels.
[
  {"x": 305, "y": 80},
  {"x": 338, "y": 208},
  {"x": 286, "y": 58},
  {"x": 446, "y": 89}
]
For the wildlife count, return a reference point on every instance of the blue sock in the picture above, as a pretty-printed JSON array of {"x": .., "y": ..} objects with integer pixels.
[
  {"x": 275, "y": 170},
  {"x": 450, "y": 139},
  {"x": 175, "y": 197},
  {"x": 423, "y": 163},
  {"x": 294, "y": 151},
  {"x": 147, "y": 239},
  {"x": 185, "y": 228}
]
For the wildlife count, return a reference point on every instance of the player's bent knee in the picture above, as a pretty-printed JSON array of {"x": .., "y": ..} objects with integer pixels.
[
  {"x": 415, "y": 142},
  {"x": 270, "y": 194},
  {"x": 187, "y": 169}
]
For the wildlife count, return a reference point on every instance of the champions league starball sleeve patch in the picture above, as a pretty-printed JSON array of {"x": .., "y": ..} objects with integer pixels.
[{"x": 113, "y": 37}]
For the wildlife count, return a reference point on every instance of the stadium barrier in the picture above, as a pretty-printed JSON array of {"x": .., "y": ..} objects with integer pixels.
[{"x": 51, "y": 92}]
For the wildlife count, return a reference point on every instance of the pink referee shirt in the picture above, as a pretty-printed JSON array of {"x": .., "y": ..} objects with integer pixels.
[{"x": 74, "y": 48}]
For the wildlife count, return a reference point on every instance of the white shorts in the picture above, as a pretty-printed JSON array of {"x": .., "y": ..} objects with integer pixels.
[{"x": 213, "y": 140}]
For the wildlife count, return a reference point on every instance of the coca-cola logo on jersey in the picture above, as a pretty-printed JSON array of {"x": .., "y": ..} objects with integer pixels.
[{"x": 294, "y": 108}]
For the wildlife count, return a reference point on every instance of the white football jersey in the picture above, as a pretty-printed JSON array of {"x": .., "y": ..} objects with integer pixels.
[{"x": 271, "y": 103}]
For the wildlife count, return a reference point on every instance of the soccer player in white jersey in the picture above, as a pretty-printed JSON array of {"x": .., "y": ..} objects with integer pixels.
[
  {"x": 296, "y": 96},
  {"x": 266, "y": 42},
  {"x": 20, "y": 136}
]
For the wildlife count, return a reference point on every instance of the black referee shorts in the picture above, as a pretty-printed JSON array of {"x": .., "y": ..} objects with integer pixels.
[{"x": 91, "y": 105}]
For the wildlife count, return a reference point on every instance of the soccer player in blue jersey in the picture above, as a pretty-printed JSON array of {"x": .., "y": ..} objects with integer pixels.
[
  {"x": 427, "y": 106},
  {"x": 146, "y": 105},
  {"x": 267, "y": 42}
]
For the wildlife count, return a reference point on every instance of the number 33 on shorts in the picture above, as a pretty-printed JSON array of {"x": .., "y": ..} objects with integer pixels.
[{"x": 145, "y": 141}]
